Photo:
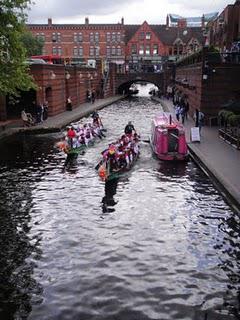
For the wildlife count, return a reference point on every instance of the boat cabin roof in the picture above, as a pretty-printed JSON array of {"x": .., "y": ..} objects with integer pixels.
[{"x": 166, "y": 120}]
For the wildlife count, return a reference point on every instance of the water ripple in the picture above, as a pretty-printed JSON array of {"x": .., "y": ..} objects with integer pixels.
[{"x": 159, "y": 243}]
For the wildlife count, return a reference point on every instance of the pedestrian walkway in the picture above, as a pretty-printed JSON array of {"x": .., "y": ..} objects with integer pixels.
[
  {"x": 56, "y": 123},
  {"x": 221, "y": 160}
]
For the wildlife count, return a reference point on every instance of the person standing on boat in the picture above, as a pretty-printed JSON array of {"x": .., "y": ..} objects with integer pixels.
[
  {"x": 112, "y": 163},
  {"x": 129, "y": 128}
]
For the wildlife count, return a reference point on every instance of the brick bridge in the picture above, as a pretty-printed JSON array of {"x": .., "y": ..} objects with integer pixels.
[{"x": 124, "y": 81}]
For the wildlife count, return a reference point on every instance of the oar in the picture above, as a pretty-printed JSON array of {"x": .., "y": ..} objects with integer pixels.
[{"x": 98, "y": 165}]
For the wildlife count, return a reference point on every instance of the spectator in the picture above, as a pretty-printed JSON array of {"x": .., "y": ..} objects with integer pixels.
[
  {"x": 69, "y": 104},
  {"x": 45, "y": 110},
  {"x": 93, "y": 97}
]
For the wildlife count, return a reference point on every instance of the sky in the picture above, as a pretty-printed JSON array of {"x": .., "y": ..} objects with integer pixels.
[{"x": 111, "y": 11}]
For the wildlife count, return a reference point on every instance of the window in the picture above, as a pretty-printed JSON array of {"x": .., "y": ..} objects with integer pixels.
[
  {"x": 148, "y": 35},
  {"x": 119, "y": 51},
  {"x": 96, "y": 37},
  {"x": 148, "y": 50},
  {"x": 54, "y": 37},
  {"x": 113, "y": 36},
  {"x": 113, "y": 51},
  {"x": 108, "y": 51},
  {"x": 80, "y": 51},
  {"x": 59, "y": 51},
  {"x": 80, "y": 37},
  {"x": 108, "y": 36},
  {"x": 91, "y": 51},
  {"x": 91, "y": 37},
  {"x": 141, "y": 36},
  {"x": 54, "y": 50},
  {"x": 118, "y": 37},
  {"x": 141, "y": 49},
  {"x": 75, "y": 51},
  {"x": 134, "y": 49},
  {"x": 40, "y": 36},
  {"x": 59, "y": 37},
  {"x": 97, "y": 49},
  {"x": 75, "y": 37},
  {"x": 155, "y": 49},
  {"x": 170, "y": 51}
]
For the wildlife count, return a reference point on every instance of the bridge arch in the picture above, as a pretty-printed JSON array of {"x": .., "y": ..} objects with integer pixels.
[
  {"x": 124, "y": 81},
  {"x": 124, "y": 87}
]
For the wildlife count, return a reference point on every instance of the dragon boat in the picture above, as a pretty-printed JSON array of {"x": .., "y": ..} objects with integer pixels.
[{"x": 118, "y": 158}]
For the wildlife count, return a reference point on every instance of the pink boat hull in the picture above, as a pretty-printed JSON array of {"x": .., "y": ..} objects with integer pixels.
[{"x": 168, "y": 139}]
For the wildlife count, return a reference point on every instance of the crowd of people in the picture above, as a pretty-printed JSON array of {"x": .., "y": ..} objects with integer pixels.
[
  {"x": 181, "y": 110},
  {"x": 181, "y": 107},
  {"x": 121, "y": 154}
]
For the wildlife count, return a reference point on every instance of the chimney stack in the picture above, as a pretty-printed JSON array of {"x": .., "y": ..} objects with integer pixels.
[
  {"x": 86, "y": 20},
  {"x": 122, "y": 21},
  {"x": 49, "y": 21}
]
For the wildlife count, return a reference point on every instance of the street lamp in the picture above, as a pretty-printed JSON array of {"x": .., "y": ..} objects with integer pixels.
[
  {"x": 67, "y": 75},
  {"x": 52, "y": 75}
]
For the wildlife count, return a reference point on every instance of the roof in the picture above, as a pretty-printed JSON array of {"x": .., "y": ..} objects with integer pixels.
[
  {"x": 167, "y": 35},
  {"x": 76, "y": 25},
  {"x": 130, "y": 30}
]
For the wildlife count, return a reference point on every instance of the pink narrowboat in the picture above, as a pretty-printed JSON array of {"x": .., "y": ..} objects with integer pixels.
[{"x": 167, "y": 138}]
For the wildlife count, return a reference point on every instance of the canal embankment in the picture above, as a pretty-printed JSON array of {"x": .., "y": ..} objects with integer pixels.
[
  {"x": 58, "y": 122},
  {"x": 220, "y": 160}
]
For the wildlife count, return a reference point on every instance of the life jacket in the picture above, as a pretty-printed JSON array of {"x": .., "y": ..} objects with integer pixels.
[
  {"x": 102, "y": 172},
  {"x": 71, "y": 133}
]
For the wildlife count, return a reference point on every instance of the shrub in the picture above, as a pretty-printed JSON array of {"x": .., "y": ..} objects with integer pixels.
[{"x": 234, "y": 120}]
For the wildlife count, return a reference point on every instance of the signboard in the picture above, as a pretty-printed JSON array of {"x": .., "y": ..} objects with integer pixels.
[{"x": 195, "y": 134}]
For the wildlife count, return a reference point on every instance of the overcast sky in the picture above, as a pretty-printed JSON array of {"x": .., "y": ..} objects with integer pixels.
[{"x": 111, "y": 11}]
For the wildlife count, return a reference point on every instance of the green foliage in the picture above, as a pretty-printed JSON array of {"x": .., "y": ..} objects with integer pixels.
[
  {"x": 13, "y": 71},
  {"x": 234, "y": 120},
  {"x": 213, "y": 49},
  {"x": 224, "y": 114},
  {"x": 32, "y": 45}
]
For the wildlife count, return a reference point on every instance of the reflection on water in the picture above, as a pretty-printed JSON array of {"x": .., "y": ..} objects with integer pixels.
[
  {"x": 108, "y": 199},
  {"x": 159, "y": 243}
]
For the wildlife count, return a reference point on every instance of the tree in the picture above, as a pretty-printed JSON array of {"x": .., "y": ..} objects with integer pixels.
[
  {"x": 14, "y": 74},
  {"x": 32, "y": 45}
]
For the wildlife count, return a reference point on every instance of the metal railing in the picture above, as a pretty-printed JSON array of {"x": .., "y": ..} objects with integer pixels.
[{"x": 223, "y": 57}]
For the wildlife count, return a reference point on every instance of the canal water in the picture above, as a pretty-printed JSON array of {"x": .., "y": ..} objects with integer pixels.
[{"x": 159, "y": 243}]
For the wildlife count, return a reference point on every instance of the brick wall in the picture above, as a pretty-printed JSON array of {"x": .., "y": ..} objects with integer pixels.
[
  {"x": 58, "y": 82},
  {"x": 221, "y": 83}
]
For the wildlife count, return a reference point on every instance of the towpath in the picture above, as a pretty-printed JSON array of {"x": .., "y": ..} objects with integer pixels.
[{"x": 218, "y": 158}]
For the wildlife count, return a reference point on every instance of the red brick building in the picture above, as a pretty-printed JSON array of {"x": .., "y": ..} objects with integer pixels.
[
  {"x": 118, "y": 43},
  {"x": 225, "y": 29}
]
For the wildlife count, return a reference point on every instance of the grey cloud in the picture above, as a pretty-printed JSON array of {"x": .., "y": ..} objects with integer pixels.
[
  {"x": 62, "y": 8},
  {"x": 201, "y": 5}
]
